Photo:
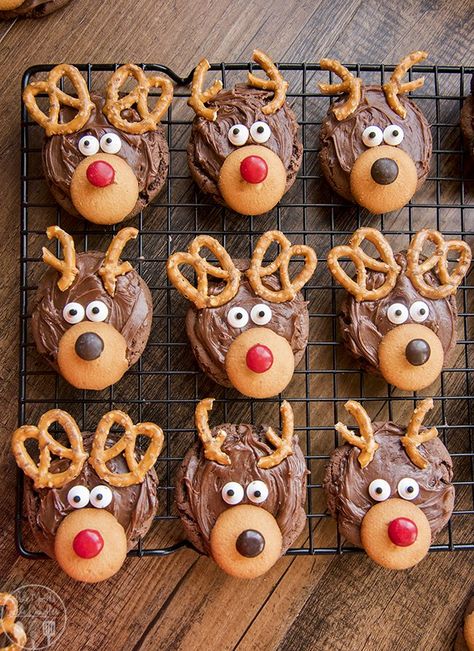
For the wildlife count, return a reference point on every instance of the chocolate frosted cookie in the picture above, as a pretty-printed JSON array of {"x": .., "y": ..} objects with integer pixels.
[
  {"x": 375, "y": 144},
  {"x": 467, "y": 120},
  {"x": 104, "y": 158},
  {"x": 240, "y": 493},
  {"x": 389, "y": 488},
  {"x": 244, "y": 149},
  {"x": 29, "y": 8}
]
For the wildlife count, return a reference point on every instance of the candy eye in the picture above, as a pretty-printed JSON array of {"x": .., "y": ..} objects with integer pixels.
[
  {"x": 78, "y": 497},
  {"x": 88, "y": 145},
  {"x": 73, "y": 313},
  {"x": 232, "y": 493},
  {"x": 261, "y": 314},
  {"x": 257, "y": 492},
  {"x": 110, "y": 143},
  {"x": 372, "y": 136},
  {"x": 237, "y": 317},
  {"x": 238, "y": 134},
  {"x": 97, "y": 311},
  {"x": 393, "y": 134},
  {"x": 408, "y": 488},
  {"x": 101, "y": 496},
  {"x": 379, "y": 490},
  {"x": 260, "y": 132},
  {"x": 419, "y": 311},
  {"x": 397, "y": 313}
]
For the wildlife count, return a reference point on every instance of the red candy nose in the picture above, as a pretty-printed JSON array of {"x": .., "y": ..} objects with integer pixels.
[
  {"x": 88, "y": 543},
  {"x": 259, "y": 358},
  {"x": 100, "y": 174},
  {"x": 253, "y": 169},
  {"x": 402, "y": 532}
]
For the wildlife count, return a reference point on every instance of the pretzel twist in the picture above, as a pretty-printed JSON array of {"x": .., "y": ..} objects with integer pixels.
[
  {"x": 366, "y": 440},
  {"x": 111, "y": 269},
  {"x": 394, "y": 87},
  {"x": 283, "y": 444},
  {"x": 414, "y": 438},
  {"x": 101, "y": 455},
  {"x": 362, "y": 261},
  {"x": 9, "y": 626},
  {"x": 114, "y": 104},
  {"x": 200, "y": 97},
  {"x": 48, "y": 445},
  {"x": 211, "y": 444},
  {"x": 67, "y": 267},
  {"x": 289, "y": 287},
  {"x": 439, "y": 260},
  {"x": 350, "y": 85},
  {"x": 275, "y": 82},
  {"x": 57, "y": 97}
]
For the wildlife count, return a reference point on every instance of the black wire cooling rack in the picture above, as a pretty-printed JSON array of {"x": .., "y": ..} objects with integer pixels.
[{"x": 165, "y": 385}]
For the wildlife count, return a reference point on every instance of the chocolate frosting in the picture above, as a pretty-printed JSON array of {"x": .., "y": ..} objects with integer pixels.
[
  {"x": 346, "y": 483},
  {"x": 209, "y": 144},
  {"x": 467, "y": 120},
  {"x": 147, "y": 154},
  {"x": 199, "y": 483},
  {"x": 130, "y": 310},
  {"x": 364, "y": 324},
  {"x": 133, "y": 506},
  {"x": 34, "y": 9},
  {"x": 341, "y": 141},
  {"x": 211, "y": 335}
]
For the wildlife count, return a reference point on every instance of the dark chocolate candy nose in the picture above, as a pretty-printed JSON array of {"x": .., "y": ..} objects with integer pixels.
[
  {"x": 418, "y": 352},
  {"x": 384, "y": 171},
  {"x": 89, "y": 346},
  {"x": 250, "y": 543}
]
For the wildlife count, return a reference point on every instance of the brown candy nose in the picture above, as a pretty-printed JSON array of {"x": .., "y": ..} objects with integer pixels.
[
  {"x": 250, "y": 543},
  {"x": 418, "y": 352},
  {"x": 384, "y": 171},
  {"x": 89, "y": 346}
]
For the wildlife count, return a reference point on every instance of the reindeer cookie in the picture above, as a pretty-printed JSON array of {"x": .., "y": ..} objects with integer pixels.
[
  {"x": 29, "y": 8},
  {"x": 244, "y": 149},
  {"x": 399, "y": 318},
  {"x": 88, "y": 506},
  {"x": 249, "y": 328},
  {"x": 13, "y": 630},
  {"x": 241, "y": 491},
  {"x": 389, "y": 488},
  {"x": 375, "y": 143},
  {"x": 104, "y": 158},
  {"x": 467, "y": 120},
  {"x": 92, "y": 314}
]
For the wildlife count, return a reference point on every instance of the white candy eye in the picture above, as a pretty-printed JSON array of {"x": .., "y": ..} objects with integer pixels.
[
  {"x": 232, "y": 493},
  {"x": 88, "y": 145},
  {"x": 101, "y": 496},
  {"x": 261, "y": 314},
  {"x": 73, "y": 313},
  {"x": 78, "y": 497},
  {"x": 257, "y": 492},
  {"x": 110, "y": 143},
  {"x": 97, "y": 311},
  {"x": 379, "y": 490},
  {"x": 260, "y": 132},
  {"x": 419, "y": 311},
  {"x": 397, "y": 313},
  {"x": 393, "y": 134},
  {"x": 372, "y": 136},
  {"x": 237, "y": 317},
  {"x": 238, "y": 134},
  {"x": 408, "y": 488}
]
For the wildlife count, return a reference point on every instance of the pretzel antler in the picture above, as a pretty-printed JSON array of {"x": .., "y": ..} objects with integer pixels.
[
  {"x": 111, "y": 269},
  {"x": 101, "y": 455},
  {"x": 47, "y": 444},
  {"x": 138, "y": 97},
  {"x": 275, "y": 82},
  {"x": 200, "y": 295},
  {"x": 362, "y": 261},
  {"x": 365, "y": 441},
  {"x": 289, "y": 287},
  {"x": 395, "y": 87},
  {"x": 57, "y": 97},
  {"x": 67, "y": 267},
  {"x": 284, "y": 444},
  {"x": 199, "y": 97},
  {"x": 212, "y": 444},
  {"x": 414, "y": 438},
  {"x": 350, "y": 85},
  {"x": 439, "y": 259},
  {"x": 9, "y": 626}
]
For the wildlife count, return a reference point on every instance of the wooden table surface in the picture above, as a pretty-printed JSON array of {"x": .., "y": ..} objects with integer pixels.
[{"x": 184, "y": 601}]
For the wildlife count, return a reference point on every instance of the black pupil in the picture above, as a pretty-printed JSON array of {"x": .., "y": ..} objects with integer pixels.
[
  {"x": 410, "y": 489},
  {"x": 261, "y": 314},
  {"x": 239, "y": 315},
  {"x": 108, "y": 140},
  {"x": 230, "y": 492},
  {"x": 99, "y": 496},
  {"x": 236, "y": 131},
  {"x": 73, "y": 312},
  {"x": 95, "y": 310},
  {"x": 86, "y": 143},
  {"x": 260, "y": 129},
  {"x": 257, "y": 493},
  {"x": 76, "y": 498},
  {"x": 372, "y": 134},
  {"x": 398, "y": 312},
  {"x": 378, "y": 490},
  {"x": 422, "y": 311},
  {"x": 395, "y": 133}
]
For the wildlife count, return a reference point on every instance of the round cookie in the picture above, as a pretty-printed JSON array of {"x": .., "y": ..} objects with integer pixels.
[
  {"x": 465, "y": 637},
  {"x": 467, "y": 120},
  {"x": 29, "y": 8}
]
